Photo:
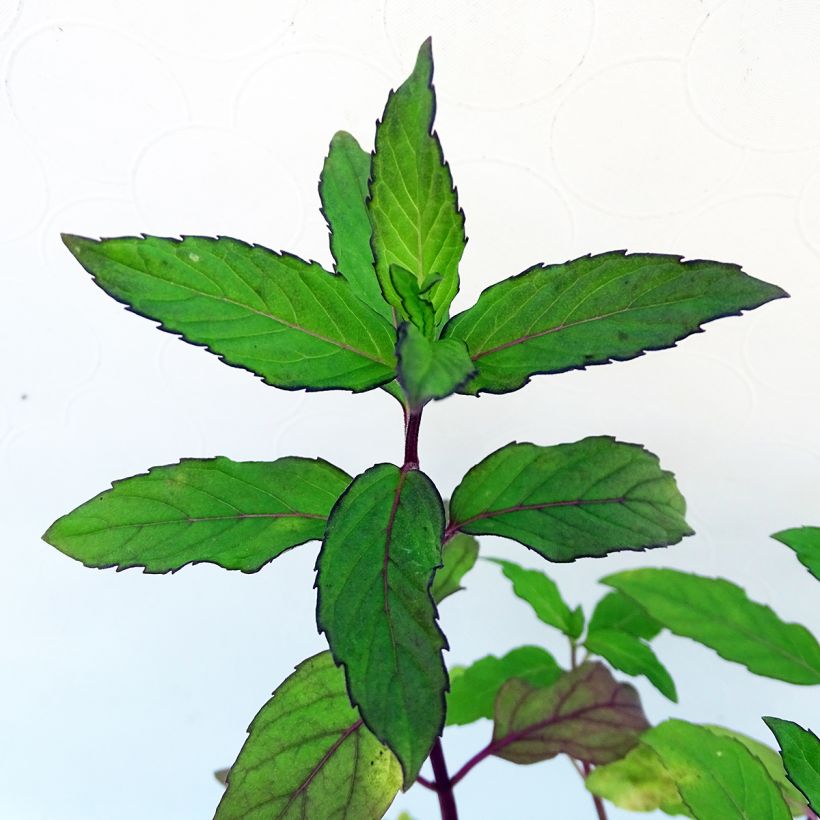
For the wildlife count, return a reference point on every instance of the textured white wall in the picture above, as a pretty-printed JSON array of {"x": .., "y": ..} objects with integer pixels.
[{"x": 571, "y": 126}]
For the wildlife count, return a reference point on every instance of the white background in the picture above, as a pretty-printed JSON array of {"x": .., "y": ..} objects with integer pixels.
[{"x": 571, "y": 126}]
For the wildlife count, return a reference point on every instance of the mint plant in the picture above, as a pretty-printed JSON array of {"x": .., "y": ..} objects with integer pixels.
[{"x": 352, "y": 726}]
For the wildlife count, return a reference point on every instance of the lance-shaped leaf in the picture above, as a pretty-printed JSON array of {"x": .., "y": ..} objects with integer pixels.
[
  {"x": 430, "y": 369},
  {"x": 718, "y": 614},
  {"x": 381, "y": 549},
  {"x": 239, "y": 515},
  {"x": 616, "y": 611},
  {"x": 343, "y": 188},
  {"x": 458, "y": 557},
  {"x": 805, "y": 541},
  {"x": 596, "y": 309},
  {"x": 414, "y": 210},
  {"x": 572, "y": 500},
  {"x": 474, "y": 689},
  {"x": 717, "y": 777},
  {"x": 543, "y": 595},
  {"x": 308, "y": 754},
  {"x": 586, "y": 714},
  {"x": 289, "y": 321},
  {"x": 633, "y": 656},
  {"x": 800, "y": 749}
]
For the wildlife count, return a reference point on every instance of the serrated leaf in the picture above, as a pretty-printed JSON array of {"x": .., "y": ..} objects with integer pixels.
[
  {"x": 616, "y": 611},
  {"x": 473, "y": 690},
  {"x": 414, "y": 210},
  {"x": 800, "y": 750},
  {"x": 458, "y": 557},
  {"x": 382, "y": 546},
  {"x": 308, "y": 754},
  {"x": 571, "y": 501},
  {"x": 596, "y": 309},
  {"x": 633, "y": 656},
  {"x": 289, "y": 321},
  {"x": 805, "y": 541},
  {"x": 239, "y": 515},
  {"x": 542, "y": 594},
  {"x": 586, "y": 714},
  {"x": 718, "y": 614},
  {"x": 430, "y": 369},
  {"x": 716, "y": 776},
  {"x": 343, "y": 188},
  {"x": 414, "y": 305}
]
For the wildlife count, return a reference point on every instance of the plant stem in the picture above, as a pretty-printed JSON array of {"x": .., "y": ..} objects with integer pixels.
[
  {"x": 444, "y": 786},
  {"x": 599, "y": 804},
  {"x": 411, "y": 440}
]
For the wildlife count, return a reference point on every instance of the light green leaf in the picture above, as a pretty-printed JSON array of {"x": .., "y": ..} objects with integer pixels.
[
  {"x": 239, "y": 515},
  {"x": 805, "y": 541},
  {"x": 593, "y": 310},
  {"x": 343, "y": 187},
  {"x": 718, "y": 614},
  {"x": 289, "y": 321},
  {"x": 458, "y": 556},
  {"x": 572, "y": 500},
  {"x": 616, "y": 611},
  {"x": 474, "y": 689},
  {"x": 308, "y": 754},
  {"x": 586, "y": 714},
  {"x": 414, "y": 305},
  {"x": 430, "y": 369},
  {"x": 382, "y": 547},
  {"x": 633, "y": 656},
  {"x": 716, "y": 776},
  {"x": 800, "y": 749},
  {"x": 542, "y": 594},
  {"x": 413, "y": 206}
]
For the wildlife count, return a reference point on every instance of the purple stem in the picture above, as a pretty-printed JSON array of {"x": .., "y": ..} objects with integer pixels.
[
  {"x": 444, "y": 785},
  {"x": 411, "y": 440}
]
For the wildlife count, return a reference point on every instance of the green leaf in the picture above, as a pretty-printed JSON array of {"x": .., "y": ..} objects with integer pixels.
[
  {"x": 343, "y": 188},
  {"x": 586, "y": 714},
  {"x": 458, "y": 557},
  {"x": 800, "y": 749},
  {"x": 414, "y": 305},
  {"x": 805, "y": 541},
  {"x": 239, "y": 515},
  {"x": 289, "y": 321},
  {"x": 718, "y": 614},
  {"x": 542, "y": 594},
  {"x": 572, "y": 500},
  {"x": 309, "y": 755},
  {"x": 716, "y": 776},
  {"x": 414, "y": 210},
  {"x": 633, "y": 656},
  {"x": 596, "y": 309},
  {"x": 474, "y": 689},
  {"x": 430, "y": 369},
  {"x": 616, "y": 611},
  {"x": 382, "y": 547}
]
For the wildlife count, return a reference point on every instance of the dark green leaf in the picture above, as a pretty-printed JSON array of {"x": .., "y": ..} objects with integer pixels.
[
  {"x": 458, "y": 557},
  {"x": 718, "y": 614},
  {"x": 239, "y": 515},
  {"x": 414, "y": 305},
  {"x": 287, "y": 320},
  {"x": 616, "y": 611},
  {"x": 805, "y": 541},
  {"x": 586, "y": 714},
  {"x": 717, "y": 777},
  {"x": 572, "y": 500},
  {"x": 473, "y": 690},
  {"x": 542, "y": 594},
  {"x": 309, "y": 755},
  {"x": 413, "y": 206},
  {"x": 343, "y": 187},
  {"x": 633, "y": 656},
  {"x": 800, "y": 749},
  {"x": 596, "y": 309},
  {"x": 381, "y": 549},
  {"x": 430, "y": 369}
]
